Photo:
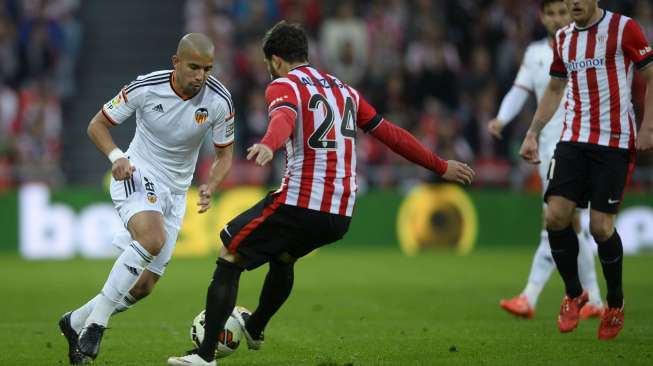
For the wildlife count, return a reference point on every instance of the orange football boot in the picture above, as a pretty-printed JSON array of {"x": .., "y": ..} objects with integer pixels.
[
  {"x": 611, "y": 323},
  {"x": 518, "y": 306},
  {"x": 569, "y": 312},
  {"x": 590, "y": 311}
]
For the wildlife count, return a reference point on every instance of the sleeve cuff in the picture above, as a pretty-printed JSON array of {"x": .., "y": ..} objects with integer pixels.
[
  {"x": 284, "y": 105},
  {"x": 644, "y": 62},
  {"x": 372, "y": 124},
  {"x": 221, "y": 146},
  {"x": 106, "y": 115},
  {"x": 558, "y": 74}
]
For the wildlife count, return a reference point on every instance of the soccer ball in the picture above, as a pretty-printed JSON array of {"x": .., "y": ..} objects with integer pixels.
[{"x": 228, "y": 339}]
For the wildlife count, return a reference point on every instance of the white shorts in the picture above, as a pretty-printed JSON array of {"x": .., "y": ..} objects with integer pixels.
[
  {"x": 141, "y": 193},
  {"x": 545, "y": 151}
]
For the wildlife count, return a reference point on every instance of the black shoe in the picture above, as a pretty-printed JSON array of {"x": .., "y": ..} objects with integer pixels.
[
  {"x": 89, "y": 340},
  {"x": 74, "y": 356}
]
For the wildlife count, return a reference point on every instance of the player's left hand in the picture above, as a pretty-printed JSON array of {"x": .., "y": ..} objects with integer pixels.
[
  {"x": 644, "y": 139},
  {"x": 261, "y": 152},
  {"x": 205, "y": 198},
  {"x": 495, "y": 127}
]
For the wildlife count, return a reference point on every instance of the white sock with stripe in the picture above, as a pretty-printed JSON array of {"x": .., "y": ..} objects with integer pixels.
[
  {"x": 124, "y": 274},
  {"x": 541, "y": 269},
  {"x": 78, "y": 317}
]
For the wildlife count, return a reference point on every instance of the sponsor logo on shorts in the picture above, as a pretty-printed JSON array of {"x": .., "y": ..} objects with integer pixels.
[
  {"x": 150, "y": 191},
  {"x": 201, "y": 115},
  {"x": 612, "y": 202}
]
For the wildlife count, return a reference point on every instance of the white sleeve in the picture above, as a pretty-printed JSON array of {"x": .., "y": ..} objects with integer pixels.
[
  {"x": 223, "y": 131},
  {"x": 123, "y": 105},
  {"x": 512, "y": 103},
  {"x": 524, "y": 77}
]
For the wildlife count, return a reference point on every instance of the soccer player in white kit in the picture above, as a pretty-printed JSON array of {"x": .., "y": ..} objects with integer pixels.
[
  {"x": 175, "y": 110},
  {"x": 534, "y": 76}
]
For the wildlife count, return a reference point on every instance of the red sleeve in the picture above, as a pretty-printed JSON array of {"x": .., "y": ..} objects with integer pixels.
[
  {"x": 558, "y": 68},
  {"x": 406, "y": 145},
  {"x": 635, "y": 46},
  {"x": 282, "y": 123},
  {"x": 280, "y": 95},
  {"x": 367, "y": 119},
  {"x": 638, "y": 96}
]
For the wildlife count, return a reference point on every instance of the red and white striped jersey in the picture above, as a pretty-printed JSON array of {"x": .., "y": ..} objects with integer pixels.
[
  {"x": 599, "y": 62},
  {"x": 321, "y": 152}
]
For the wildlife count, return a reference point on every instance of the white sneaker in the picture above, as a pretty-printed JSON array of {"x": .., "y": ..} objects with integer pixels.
[
  {"x": 190, "y": 360},
  {"x": 241, "y": 314}
]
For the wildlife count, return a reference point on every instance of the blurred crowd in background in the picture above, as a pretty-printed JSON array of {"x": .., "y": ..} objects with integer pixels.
[
  {"x": 438, "y": 68},
  {"x": 39, "y": 48}
]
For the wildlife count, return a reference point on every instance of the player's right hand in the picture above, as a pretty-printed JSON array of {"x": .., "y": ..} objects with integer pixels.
[
  {"x": 261, "y": 152},
  {"x": 122, "y": 169},
  {"x": 528, "y": 150},
  {"x": 458, "y": 172},
  {"x": 495, "y": 127}
]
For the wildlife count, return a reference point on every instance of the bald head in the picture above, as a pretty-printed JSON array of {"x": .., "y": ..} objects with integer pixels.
[
  {"x": 195, "y": 44},
  {"x": 193, "y": 63}
]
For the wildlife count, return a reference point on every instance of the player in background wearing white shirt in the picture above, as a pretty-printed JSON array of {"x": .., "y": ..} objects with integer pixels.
[
  {"x": 175, "y": 110},
  {"x": 534, "y": 76}
]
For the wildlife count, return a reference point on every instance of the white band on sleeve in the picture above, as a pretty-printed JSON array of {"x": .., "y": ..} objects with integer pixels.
[
  {"x": 512, "y": 103},
  {"x": 116, "y": 154}
]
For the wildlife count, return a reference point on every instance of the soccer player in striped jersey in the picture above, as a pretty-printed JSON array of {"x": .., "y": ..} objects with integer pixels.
[
  {"x": 594, "y": 59},
  {"x": 315, "y": 117},
  {"x": 534, "y": 76},
  {"x": 175, "y": 110}
]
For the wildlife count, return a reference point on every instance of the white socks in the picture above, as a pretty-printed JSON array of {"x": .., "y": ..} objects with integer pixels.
[
  {"x": 78, "y": 317},
  {"x": 541, "y": 269},
  {"x": 587, "y": 270},
  {"x": 124, "y": 274}
]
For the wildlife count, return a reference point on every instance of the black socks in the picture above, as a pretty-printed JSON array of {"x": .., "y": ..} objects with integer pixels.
[
  {"x": 564, "y": 249},
  {"x": 220, "y": 301},
  {"x": 611, "y": 255},
  {"x": 276, "y": 289}
]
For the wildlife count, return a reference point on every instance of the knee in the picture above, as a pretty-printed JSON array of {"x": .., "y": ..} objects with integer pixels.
[
  {"x": 601, "y": 230},
  {"x": 555, "y": 220},
  {"x": 153, "y": 241}
]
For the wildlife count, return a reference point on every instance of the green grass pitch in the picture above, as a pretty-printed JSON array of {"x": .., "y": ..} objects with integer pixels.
[{"x": 348, "y": 307}]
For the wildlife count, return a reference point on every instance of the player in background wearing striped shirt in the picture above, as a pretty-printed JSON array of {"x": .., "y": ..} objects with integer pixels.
[
  {"x": 534, "y": 76},
  {"x": 175, "y": 110},
  {"x": 314, "y": 116},
  {"x": 594, "y": 58}
]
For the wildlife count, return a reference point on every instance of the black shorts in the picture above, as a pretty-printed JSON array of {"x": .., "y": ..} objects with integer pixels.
[
  {"x": 271, "y": 228},
  {"x": 586, "y": 173}
]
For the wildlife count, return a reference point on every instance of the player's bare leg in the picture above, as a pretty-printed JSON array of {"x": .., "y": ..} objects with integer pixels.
[
  {"x": 611, "y": 256},
  {"x": 148, "y": 232}
]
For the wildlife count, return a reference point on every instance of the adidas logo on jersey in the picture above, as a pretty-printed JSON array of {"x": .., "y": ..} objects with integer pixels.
[{"x": 158, "y": 108}]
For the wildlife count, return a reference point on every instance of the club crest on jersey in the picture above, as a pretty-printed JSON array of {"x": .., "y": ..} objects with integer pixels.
[{"x": 201, "y": 115}]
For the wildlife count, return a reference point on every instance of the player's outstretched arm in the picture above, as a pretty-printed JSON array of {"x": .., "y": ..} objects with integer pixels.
[
  {"x": 645, "y": 134},
  {"x": 219, "y": 170},
  {"x": 403, "y": 143},
  {"x": 98, "y": 132},
  {"x": 545, "y": 110},
  {"x": 511, "y": 105},
  {"x": 282, "y": 123}
]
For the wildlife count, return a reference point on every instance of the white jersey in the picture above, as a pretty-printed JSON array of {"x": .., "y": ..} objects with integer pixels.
[
  {"x": 170, "y": 128},
  {"x": 534, "y": 77}
]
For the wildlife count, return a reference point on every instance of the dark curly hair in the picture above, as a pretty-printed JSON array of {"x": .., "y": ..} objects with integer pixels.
[{"x": 286, "y": 40}]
